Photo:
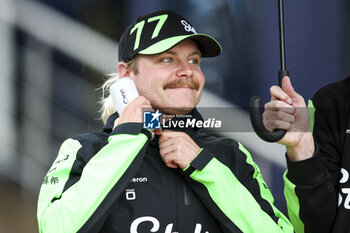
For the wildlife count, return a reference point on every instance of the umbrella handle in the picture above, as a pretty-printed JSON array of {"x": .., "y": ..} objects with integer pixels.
[
  {"x": 255, "y": 101},
  {"x": 255, "y": 108}
]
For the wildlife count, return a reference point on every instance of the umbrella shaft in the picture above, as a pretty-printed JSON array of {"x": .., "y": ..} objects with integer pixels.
[{"x": 281, "y": 32}]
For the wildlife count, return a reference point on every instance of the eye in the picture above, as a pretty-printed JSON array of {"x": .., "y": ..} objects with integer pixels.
[
  {"x": 167, "y": 60},
  {"x": 194, "y": 61}
]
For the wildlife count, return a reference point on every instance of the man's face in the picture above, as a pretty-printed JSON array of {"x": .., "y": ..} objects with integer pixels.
[{"x": 172, "y": 79}]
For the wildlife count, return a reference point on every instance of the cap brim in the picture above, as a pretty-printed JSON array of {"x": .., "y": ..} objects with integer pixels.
[{"x": 208, "y": 46}]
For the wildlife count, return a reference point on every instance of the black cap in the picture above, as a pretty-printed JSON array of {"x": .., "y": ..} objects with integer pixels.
[{"x": 158, "y": 32}]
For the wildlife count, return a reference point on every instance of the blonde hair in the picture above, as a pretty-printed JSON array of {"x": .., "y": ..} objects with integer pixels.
[{"x": 106, "y": 101}]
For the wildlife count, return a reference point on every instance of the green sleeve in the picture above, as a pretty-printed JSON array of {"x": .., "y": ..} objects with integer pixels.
[
  {"x": 235, "y": 204},
  {"x": 68, "y": 211},
  {"x": 293, "y": 205}
]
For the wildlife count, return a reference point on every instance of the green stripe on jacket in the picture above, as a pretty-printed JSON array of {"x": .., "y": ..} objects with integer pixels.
[
  {"x": 74, "y": 207},
  {"x": 236, "y": 202}
]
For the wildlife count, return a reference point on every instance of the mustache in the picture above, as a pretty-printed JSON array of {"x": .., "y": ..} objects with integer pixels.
[{"x": 182, "y": 82}]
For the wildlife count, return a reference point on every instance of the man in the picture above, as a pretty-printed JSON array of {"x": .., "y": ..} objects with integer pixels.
[
  {"x": 180, "y": 180},
  {"x": 317, "y": 180}
]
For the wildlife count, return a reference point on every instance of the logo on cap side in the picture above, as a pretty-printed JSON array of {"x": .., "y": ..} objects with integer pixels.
[{"x": 188, "y": 27}]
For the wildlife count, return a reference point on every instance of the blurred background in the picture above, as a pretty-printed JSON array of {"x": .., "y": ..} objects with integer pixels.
[{"x": 54, "y": 55}]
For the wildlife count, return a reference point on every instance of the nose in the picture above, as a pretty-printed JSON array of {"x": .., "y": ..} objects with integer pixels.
[{"x": 185, "y": 70}]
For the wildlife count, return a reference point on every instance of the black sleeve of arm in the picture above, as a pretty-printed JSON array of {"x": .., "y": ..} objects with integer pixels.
[
  {"x": 310, "y": 196},
  {"x": 312, "y": 184}
]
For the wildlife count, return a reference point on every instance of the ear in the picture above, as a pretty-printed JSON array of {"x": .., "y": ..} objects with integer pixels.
[{"x": 123, "y": 70}]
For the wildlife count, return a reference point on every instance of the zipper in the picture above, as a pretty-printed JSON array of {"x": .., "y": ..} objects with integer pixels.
[{"x": 186, "y": 192}]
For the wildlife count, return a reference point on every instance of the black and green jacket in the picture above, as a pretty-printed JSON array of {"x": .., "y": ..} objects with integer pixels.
[
  {"x": 318, "y": 189},
  {"x": 115, "y": 181}
]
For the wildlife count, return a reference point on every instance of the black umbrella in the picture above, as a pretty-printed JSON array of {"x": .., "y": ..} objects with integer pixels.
[{"x": 255, "y": 101}]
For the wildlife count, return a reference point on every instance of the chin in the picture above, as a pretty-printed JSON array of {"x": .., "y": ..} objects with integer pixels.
[{"x": 177, "y": 104}]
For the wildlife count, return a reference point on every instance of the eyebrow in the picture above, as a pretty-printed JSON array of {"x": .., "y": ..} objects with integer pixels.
[{"x": 197, "y": 52}]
